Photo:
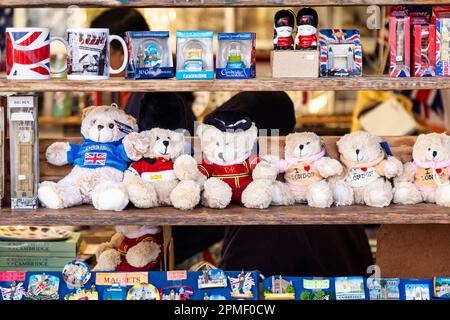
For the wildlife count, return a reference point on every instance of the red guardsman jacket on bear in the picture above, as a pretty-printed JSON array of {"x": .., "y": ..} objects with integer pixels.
[
  {"x": 237, "y": 176},
  {"x": 126, "y": 244}
]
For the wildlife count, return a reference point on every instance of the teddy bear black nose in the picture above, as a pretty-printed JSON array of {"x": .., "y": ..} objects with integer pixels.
[
  {"x": 357, "y": 151},
  {"x": 434, "y": 154},
  {"x": 166, "y": 143},
  {"x": 100, "y": 127},
  {"x": 301, "y": 147}
]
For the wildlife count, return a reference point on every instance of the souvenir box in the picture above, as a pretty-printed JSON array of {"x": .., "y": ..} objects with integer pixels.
[
  {"x": 24, "y": 151},
  {"x": 399, "y": 40},
  {"x": 149, "y": 55},
  {"x": 441, "y": 19},
  {"x": 340, "y": 53},
  {"x": 423, "y": 44},
  {"x": 195, "y": 55},
  {"x": 235, "y": 57},
  {"x": 294, "y": 64}
]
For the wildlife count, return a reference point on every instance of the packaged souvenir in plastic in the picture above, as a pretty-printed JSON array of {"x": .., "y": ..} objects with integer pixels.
[
  {"x": 236, "y": 55},
  {"x": 195, "y": 55},
  {"x": 149, "y": 55},
  {"x": 24, "y": 151},
  {"x": 399, "y": 39},
  {"x": 441, "y": 19}
]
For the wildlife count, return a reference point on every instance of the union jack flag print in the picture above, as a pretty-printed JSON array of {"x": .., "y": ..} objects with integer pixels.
[
  {"x": 95, "y": 158},
  {"x": 28, "y": 54}
]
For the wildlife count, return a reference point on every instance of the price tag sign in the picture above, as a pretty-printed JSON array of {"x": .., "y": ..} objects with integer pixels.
[
  {"x": 176, "y": 275},
  {"x": 8, "y": 276}
]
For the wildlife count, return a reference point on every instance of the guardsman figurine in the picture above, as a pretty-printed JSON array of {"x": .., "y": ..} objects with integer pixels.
[
  {"x": 307, "y": 20},
  {"x": 283, "y": 29}
]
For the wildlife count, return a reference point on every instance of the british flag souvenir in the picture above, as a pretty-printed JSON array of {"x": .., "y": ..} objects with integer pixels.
[
  {"x": 241, "y": 287},
  {"x": 340, "y": 53},
  {"x": 399, "y": 39},
  {"x": 441, "y": 19},
  {"x": 95, "y": 158},
  {"x": 15, "y": 291}
]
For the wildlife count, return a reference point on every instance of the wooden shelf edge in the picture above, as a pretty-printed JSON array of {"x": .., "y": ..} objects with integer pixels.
[
  {"x": 209, "y": 3},
  {"x": 258, "y": 84},
  {"x": 234, "y": 215}
]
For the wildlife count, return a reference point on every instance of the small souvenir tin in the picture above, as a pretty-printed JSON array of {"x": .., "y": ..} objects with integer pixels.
[
  {"x": 241, "y": 287},
  {"x": 115, "y": 292},
  {"x": 143, "y": 291},
  {"x": 213, "y": 278},
  {"x": 176, "y": 293},
  {"x": 42, "y": 287},
  {"x": 83, "y": 294},
  {"x": 76, "y": 274}
]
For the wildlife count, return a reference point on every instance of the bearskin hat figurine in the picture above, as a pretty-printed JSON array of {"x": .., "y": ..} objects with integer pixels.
[
  {"x": 307, "y": 21},
  {"x": 284, "y": 23}
]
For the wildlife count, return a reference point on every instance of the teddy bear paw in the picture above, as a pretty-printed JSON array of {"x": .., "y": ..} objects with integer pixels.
[
  {"x": 49, "y": 196},
  {"x": 185, "y": 168},
  {"x": 282, "y": 195},
  {"x": 143, "y": 253},
  {"x": 110, "y": 196},
  {"x": 142, "y": 197},
  {"x": 216, "y": 194},
  {"x": 108, "y": 261},
  {"x": 56, "y": 153},
  {"x": 406, "y": 193},
  {"x": 258, "y": 194},
  {"x": 378, "y": 197},
  {"x": 392, "y": 167},
  {"x": 342, "y": 194},
  {"x": 319, "y": 195},
  {"x": 186, "y": 195},
  {"x": 443, "y": 195}
]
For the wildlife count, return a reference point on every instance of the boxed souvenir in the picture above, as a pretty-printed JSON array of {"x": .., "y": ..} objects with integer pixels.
[
  {"x": 195, "y": 55},
  {"x": 399, "y": 39},
  {"x": 24, "y": 151},
  {"x": 236, "y": 55},
  {"x": 423, "y": 44},
  {"x": 383, "y": 288},
  {"x": 149, "y": 55},
  {"x": 295, "y": 64},
  {"x": 441, "y": 19},
  {"x": 416, "y": 289},
  {"x": 340, "y": 53}
]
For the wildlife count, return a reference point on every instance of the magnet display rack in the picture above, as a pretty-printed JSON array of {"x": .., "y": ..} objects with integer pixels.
[{"x": 407, "y": 232}]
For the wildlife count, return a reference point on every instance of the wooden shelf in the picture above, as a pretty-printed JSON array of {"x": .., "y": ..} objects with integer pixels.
[
  {"x": 258, "y": 84},
  {"x": 234, "y": 215},
  {"x": 210, "y": 3}
]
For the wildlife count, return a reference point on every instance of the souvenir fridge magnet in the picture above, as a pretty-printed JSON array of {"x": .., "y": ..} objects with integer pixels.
[
  {"x": 83, "y": 294},
  {"x": 383, "y": 288},
  {"x": 441, "y": 288},
  {"x": 416, "y": 289},
  {"x": 316, "y": 289},
  {"x": 195, "y": 55},
  {"x": 42, "y": 287},
  {"x": 212, "y": 278},
  {"x": 349, "y": 288},
  {"x": 176, "y": 293},
  {"x": 24, "y": 151},
  {"x": 149, "y": 55},
  {"x": 399, "y": 40},
  {"x": 340, "y": 53},
  {"x": 279, "y": 289},
  {"x": 307, "y": 21},
  {"x": 213, "y": 297},
  {"x": 441, "y": 19},
  {"x": 236, "y": 55},
  {"x": 241, "y": 287},
  {"x": 15, "y": 291},
  {"x": 115, "y": 292},
  {"x": 284, "y": 21},
  {"x": 143, "y": 291},
  {"x": 76, "y": 274}
]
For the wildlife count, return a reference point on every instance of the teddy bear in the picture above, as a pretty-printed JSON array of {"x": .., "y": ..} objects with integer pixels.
[
  {"x": 306, "y": 169},
  {"x": 234, "y": 173},
  {"x": 426, "y": 178},
  {"x": 132, "y": 248},
  {"x": 164, "y": 176},
  {"x": 366, "y": 170},
  {"x": 109, "y": 144}
]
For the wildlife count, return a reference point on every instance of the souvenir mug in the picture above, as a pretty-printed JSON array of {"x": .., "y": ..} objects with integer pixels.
[
  {"x": 88, "y": 54},
  {"x": 28, "y": 53}
]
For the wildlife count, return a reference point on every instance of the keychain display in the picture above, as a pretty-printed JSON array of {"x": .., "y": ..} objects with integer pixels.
[
  {"x": 284, "y": 23},
  {"x": 307, "y": 22},
  {"x": 195, "y": 55},
  {"x": 143, "y": 291},
  {"x": 236, "y": 55},
  {"x": 24, "y": 151},
  {"x": 76, "y": 274},
  {"x": 441, "y": 19},
  {"x": 340, "y": 53},
  {"x": 149, "y": 55},
  {"x": 399, "y": 39},
  {"x": 212, "y": 278}
]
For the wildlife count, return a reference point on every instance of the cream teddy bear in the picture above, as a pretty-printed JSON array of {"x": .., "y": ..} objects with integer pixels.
[
  {"x": 234, "y": 173},
  {"x": 132, "y": 248},
  {"x": 366, "y": 167},
  {"x": 307, "y": 168},
  {"x": 99, "y": 162},
  {"x": 426, "y": 178},
  {"x": 164, "y": 176}
]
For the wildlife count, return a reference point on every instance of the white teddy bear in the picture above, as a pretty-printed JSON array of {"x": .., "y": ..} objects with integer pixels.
[
  {"x": 99, "y": 162},
  {"x": 426, "y": 178},
  {"x": 366, "y": 168}
]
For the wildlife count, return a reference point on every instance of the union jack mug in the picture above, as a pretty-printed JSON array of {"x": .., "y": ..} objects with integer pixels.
[
  {"x": 28, "y": 53},
  {"x": 88, "y": 54}
]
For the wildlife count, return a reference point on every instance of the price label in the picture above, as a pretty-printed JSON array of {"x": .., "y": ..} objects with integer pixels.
[
  {"x": 8, "y": 276},
  {"x": 176, "y": 275}
]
